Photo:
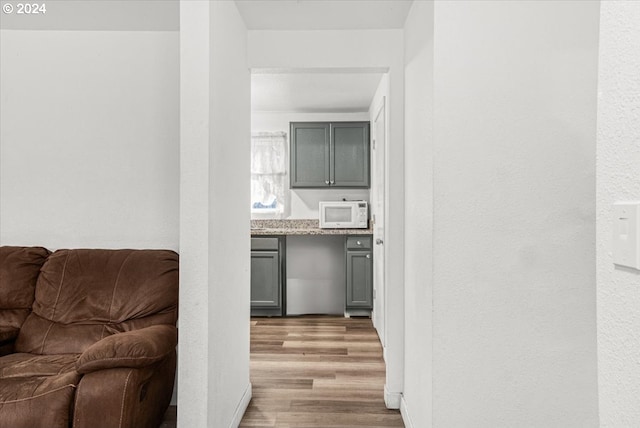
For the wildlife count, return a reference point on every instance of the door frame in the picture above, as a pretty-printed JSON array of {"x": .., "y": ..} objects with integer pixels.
[{"x": 379, "y": 319}]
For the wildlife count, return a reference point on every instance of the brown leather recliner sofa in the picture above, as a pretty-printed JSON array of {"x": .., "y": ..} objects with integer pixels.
[{"x": 87, "y": 337}]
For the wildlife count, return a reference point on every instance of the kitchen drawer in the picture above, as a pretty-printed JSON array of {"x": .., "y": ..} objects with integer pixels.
[
  {"x": 258, "y": 244},
  {"x": 359, "y": 242}
]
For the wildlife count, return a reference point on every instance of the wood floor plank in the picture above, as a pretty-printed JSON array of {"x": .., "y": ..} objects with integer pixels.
[
  {"x": 367, "y": 395},
  {"x": 328, "y": 344},
  {"x": 330, "y": 362},
  {"x": 341, "y": 357},
  {"x": 330, "y": 420},
  {"x": 315, "y": 372},
  {"x": 265, "y": 358}
]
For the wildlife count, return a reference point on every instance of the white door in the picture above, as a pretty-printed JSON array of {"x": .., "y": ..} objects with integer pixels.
[{"x": 377, "y": 215}]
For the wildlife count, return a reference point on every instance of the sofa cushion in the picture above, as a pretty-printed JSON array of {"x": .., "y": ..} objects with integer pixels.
[
  {"x": 85, "y": 295},
  {"x": 19, "y": 269},
  {"x": 22, "y": 365},
  {"x": 38, "y": 401}
]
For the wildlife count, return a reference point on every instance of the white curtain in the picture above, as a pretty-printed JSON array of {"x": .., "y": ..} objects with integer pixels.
[{"x": 268, "y": 173}]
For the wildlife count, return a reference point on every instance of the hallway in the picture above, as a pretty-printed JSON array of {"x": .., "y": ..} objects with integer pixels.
[{"x": 317, "y": 371}]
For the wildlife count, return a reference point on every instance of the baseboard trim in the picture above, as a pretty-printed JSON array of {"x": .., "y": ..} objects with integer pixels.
[
  {"x": 392, "y": 399},
  {"x": 242, "y": 407},
  {"x": 404, "y": 411}
]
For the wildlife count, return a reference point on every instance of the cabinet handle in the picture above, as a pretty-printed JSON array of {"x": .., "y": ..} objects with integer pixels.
[
  {"x": 368, "y": 256},
  {"x": 358, "y": 243},
  {"x": 332, "y": 182},
  {"x": 326, "y": 181}
]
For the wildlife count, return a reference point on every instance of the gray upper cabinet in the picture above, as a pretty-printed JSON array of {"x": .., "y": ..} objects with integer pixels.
[
  {"x": 349, "y": 166},
  {"x": 310, "y": 154},
  {"x": 332, "y": 154}
]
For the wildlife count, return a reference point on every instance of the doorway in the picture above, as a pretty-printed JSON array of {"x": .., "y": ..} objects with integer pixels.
[
  {"x": 278, "y": 98},
  {"x": 340, "y": 95}
]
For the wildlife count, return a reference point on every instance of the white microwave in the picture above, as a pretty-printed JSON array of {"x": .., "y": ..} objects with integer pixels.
[{"x": 344, "y": 215}]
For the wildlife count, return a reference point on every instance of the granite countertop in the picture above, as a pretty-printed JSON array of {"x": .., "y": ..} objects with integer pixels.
[{"x": 299, "y": 227}]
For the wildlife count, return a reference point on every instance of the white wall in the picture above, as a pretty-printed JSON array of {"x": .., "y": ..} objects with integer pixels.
[
  {"x": 113, "y": 15},
  {"x": 214, "y": 225},
  {"x": 304, "y": 202},
  {"x": 514, "y": 311},
  {"x": 618, "y": 178},
  {"x": 380, "y": 50},
  {"x": 229, "y": 237},
  {"x": 418, "y": 56},
  {"x": 89, "y": 139}
]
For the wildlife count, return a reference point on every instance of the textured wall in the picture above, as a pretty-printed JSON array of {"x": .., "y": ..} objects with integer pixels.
[
  {"x": 215, "y": 101},
  {"x": 618, "y": 178},
  {"x": 89, "y": 139},
  {"x": 514, "y": 310},
  {"x": 418, "y": 50}
]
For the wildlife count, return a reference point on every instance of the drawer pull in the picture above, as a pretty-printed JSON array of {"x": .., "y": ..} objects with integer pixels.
[{"x": 368, "y": 256}]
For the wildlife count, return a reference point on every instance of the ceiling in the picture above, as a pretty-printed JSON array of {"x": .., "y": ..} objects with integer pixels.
[
  {"x": 323, "y": 14},
  {"x": 313, "y": 92},
  {"x": 318, "y": 91}
]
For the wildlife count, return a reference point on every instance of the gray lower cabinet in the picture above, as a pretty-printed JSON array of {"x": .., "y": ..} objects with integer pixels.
[
  {"x": 330, "y": 154},
  {"x": 267, "y": 276},
  {"x": 359, "y": 272}
]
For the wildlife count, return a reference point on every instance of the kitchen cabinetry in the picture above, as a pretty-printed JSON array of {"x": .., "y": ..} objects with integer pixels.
[
  {"x": 359, "y": 272},
  {"x": 267, "y": 276},
  {"x": 330, "y": 154},
  {"x": 348, "y": 286}
]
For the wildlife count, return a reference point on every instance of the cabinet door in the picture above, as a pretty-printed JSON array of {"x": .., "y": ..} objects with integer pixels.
[
  {"x": 359, "y": 279},
  {"x": 265, "y": 279},
  {"x": 309, "y": 154},
  {"x": 350, "y": 154}
]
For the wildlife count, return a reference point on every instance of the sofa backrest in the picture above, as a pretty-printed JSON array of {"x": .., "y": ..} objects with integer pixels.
[
  {"x": 19, "y": 269},
  {"x": 85, "y": 295}
]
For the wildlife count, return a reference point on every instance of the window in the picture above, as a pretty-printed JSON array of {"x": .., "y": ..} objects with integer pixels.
[{"x": 268, "y": 173}]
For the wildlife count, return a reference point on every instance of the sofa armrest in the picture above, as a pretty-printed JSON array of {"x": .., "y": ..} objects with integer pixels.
[
  {"x": 136, "y": 348},
  {"x": 124, "y": 397}
]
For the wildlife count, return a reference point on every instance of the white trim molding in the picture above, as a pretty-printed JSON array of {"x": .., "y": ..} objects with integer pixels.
[
  {"x": 242, "y": 407},
  {"x": 392, "y": 398},
  {"x": 404, "y": 411}
]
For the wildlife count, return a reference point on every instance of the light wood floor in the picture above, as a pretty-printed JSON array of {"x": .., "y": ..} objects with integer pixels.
[
  {"x": 323, "y": 372},
  {"x": 317, "y": 372}
]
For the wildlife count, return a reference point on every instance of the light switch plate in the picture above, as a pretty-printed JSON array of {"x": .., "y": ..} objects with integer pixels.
[{"x": 626, "y": 226}]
